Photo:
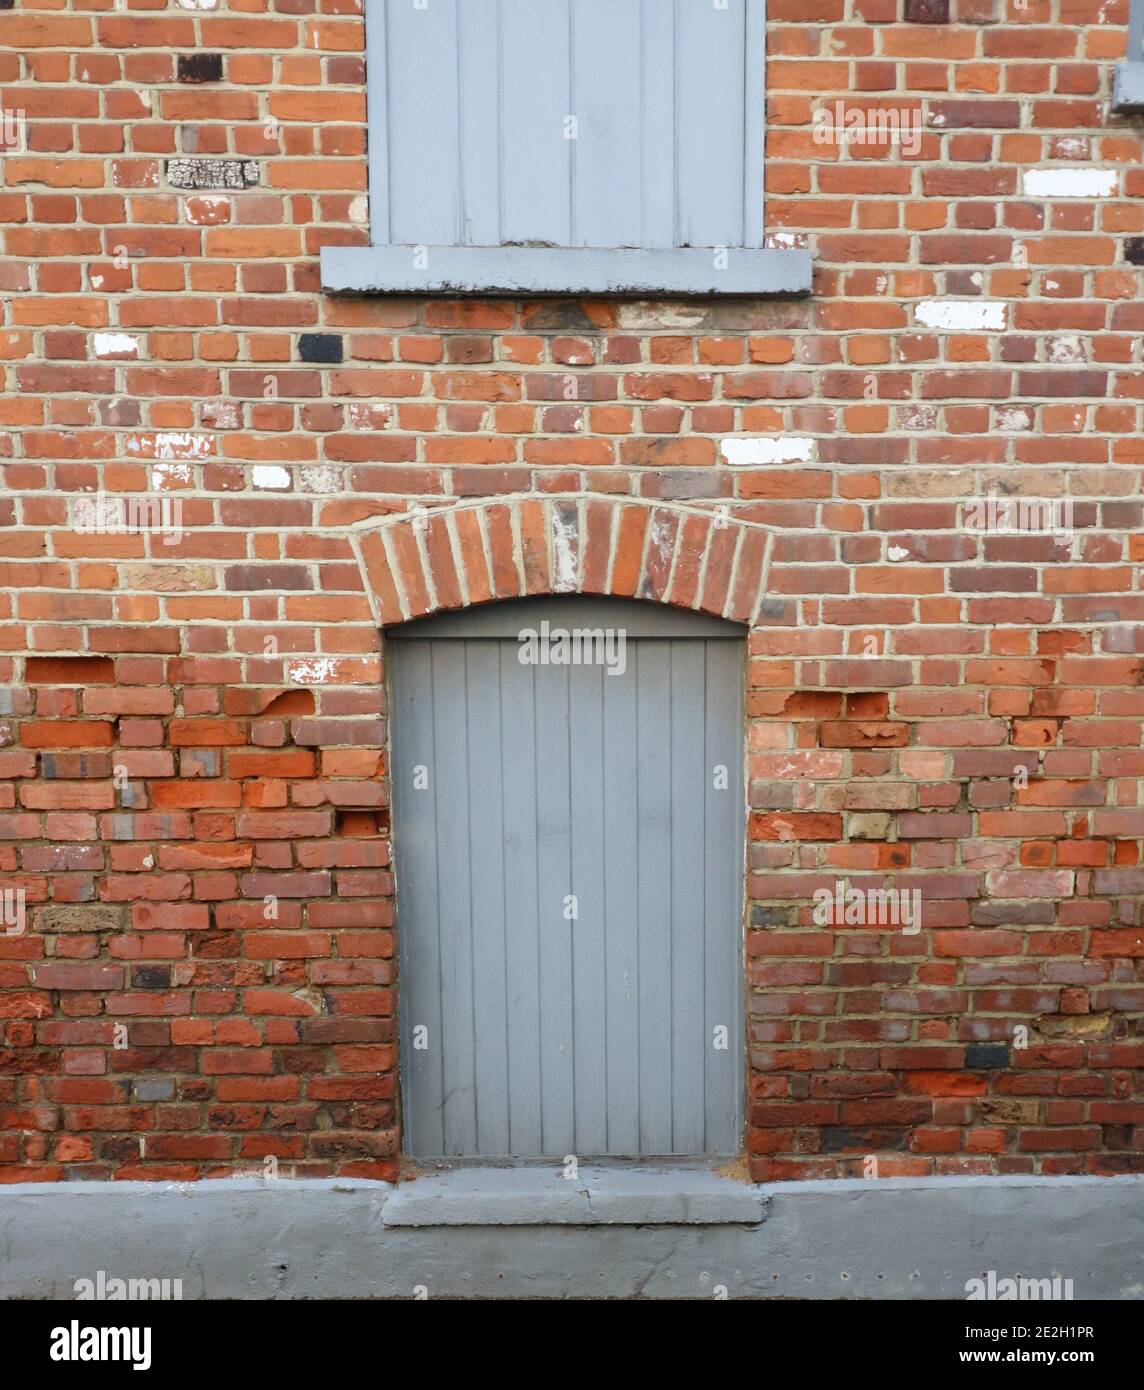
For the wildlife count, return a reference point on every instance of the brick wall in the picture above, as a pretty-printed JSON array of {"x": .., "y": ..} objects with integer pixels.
[{"x": 193, "y": 797}]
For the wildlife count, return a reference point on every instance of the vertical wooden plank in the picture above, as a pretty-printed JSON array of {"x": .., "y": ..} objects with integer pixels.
[
  {"x": 553, "y": 875},
  {"x": 415, "y": 829},
  {"x": 607, "y": 158},
  {"x": 479, "y": 71},
  {"x": 424, "y": 124},
  {"x": 1135, "y": 52},
  {"x": 377, "y": 118},
  {"x": 723, "y": 870},
  {"x": 587, "y": 756},
  {"x": 486, "y": 860},
  {"x": 522, "y": 893},
  {"x": 710, "y": 57},
  {"x": 688, "y": 847},
  {"x": 654, "y": 850},
  {"x": 536, "y": 100},
  {"x": 755, "y": 123},
  {"x": 658, "y": 135},
  {"x": 621, "y": 894},
  {"x": 454, "y": 896}
]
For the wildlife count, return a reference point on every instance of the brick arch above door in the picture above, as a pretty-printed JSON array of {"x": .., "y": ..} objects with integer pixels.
[{"x": 449, "y": 557}]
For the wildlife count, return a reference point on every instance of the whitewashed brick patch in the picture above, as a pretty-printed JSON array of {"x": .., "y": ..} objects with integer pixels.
[
  {"x": 169, "y": 445},
  {"x": 266, "y": 475},
  {"x": 743, "y": 453},
  {"x": 960, "y": 315},
  {"x": 115, "y": 345},
  {"x": 1060, "y": 182}
]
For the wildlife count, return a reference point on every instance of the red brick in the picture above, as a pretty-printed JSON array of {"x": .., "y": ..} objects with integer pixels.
[{"x": 194, "y": 725}]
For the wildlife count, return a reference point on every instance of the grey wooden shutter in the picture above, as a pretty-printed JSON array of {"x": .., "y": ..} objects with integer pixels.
[
  {"x": 472, "y": 141},
  {"x": 1128, "y": 87},
  {"x": 615, "y": 141},
  {"x": 524, "y": 1034}
]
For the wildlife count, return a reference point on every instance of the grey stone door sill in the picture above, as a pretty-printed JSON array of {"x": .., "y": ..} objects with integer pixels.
[{"x": 602, "y": 1195}]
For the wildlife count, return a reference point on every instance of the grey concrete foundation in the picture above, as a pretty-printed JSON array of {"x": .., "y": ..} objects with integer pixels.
[{"x": 606, "y": 1234}]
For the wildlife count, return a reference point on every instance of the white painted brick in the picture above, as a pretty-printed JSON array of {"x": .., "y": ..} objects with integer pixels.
[
  {"x": 772, "y": 448},
  {"x": 270, "y": 475},
  {"x": 960, "y": 315},
  {"x": 1061, "y": 181},
  {"x": 115, "y": 345}
]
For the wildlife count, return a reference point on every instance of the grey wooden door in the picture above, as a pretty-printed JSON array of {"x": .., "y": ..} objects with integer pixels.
[{"x": 569, "y": 844}]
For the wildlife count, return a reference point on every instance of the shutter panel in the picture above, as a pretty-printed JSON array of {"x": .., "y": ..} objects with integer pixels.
[
  {"x": 1128, "y": 87},
  {"x": 476, "y": 186},
  {"x": 472, "y": 103}
]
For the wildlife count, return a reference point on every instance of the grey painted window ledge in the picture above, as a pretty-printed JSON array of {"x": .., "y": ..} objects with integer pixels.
[
  {"x": 543, "y": 270},
  {"x": 1128, "y": 91},
  {"x": 600, "y": 1196}
]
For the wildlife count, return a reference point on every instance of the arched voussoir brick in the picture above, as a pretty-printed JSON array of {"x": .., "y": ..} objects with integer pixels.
[{"x": 430, "y": 560}]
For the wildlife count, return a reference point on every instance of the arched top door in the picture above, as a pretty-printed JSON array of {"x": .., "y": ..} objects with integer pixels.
[{"x": 569, "y": 845}]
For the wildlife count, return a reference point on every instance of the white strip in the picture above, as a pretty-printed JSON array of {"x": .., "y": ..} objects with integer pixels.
[
  {"x": 1061, "y": 182},
  {"x": 741, "y": 453},
  {"x": 960, "y": 315},
  {"x": 268, "y": 475},
  {"x": 108, "y": 343}
]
